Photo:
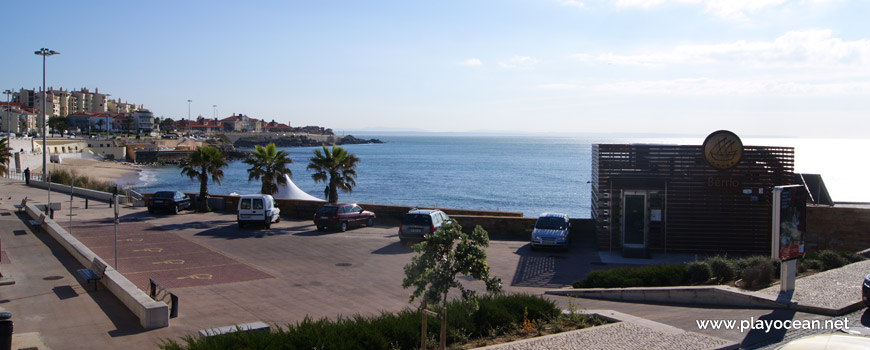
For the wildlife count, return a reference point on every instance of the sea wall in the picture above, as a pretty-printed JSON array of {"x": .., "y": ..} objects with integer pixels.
[{"x": 838, "y": 228}]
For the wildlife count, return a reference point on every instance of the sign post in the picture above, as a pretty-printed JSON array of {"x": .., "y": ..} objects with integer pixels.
[
  {"x": 115, "y": 200},
  {"x": 789, "y": 225}
]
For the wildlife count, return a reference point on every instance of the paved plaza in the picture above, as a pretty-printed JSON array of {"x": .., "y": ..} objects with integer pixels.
[{"x": 224, "y": 275}]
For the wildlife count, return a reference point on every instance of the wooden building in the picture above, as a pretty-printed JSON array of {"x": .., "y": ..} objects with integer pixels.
[{"x": 668, "y": 198}]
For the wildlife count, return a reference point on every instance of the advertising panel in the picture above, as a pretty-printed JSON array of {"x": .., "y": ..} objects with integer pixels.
[{"x": 789, "y": 221}]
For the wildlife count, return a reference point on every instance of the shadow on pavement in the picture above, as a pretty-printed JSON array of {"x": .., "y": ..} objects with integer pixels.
[
  {"x": 394, "y": 248},
  {"x": 122, "y": 318},
  {"x": 555, "y": 268},
  {"x": 759, "y": 336}
]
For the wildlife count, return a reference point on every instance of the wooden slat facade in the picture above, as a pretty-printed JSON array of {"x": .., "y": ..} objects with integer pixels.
[{"x": 702, "y": 209}]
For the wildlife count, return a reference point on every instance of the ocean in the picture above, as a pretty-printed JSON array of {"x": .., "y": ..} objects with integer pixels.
[{"x": 528, "y": 174}]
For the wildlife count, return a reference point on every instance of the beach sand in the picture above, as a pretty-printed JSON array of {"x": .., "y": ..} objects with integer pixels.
[{"x": 108, "y": 171}]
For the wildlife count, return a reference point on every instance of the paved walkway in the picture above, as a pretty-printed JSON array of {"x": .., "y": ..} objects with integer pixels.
[
  {"x": 833, "y": 289},
  {"x": 311, "y": 271}
]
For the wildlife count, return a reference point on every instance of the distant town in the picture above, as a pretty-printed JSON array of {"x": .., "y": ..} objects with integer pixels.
[
  {"x": 88, "y": 124},
  {"x": 87, "y": 112}
]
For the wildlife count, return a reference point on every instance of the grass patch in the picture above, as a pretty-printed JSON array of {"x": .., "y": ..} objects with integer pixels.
[
  {"x": 497, "y": 317},
  {"x": 63, "y": 177}
]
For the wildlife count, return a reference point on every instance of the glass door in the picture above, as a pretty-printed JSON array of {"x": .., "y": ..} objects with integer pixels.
[{"x": 634, "y": 221}]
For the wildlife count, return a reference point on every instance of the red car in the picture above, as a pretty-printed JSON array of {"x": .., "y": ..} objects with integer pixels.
[{"x": 342, "y": 216}]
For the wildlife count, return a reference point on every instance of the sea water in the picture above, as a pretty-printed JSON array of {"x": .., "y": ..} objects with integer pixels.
[{"x": 527, "y": 174}]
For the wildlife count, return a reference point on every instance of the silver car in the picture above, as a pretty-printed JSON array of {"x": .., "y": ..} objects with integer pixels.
[
  {"x": 419, "y": 222},
  {"x": 551, "y": 230}
]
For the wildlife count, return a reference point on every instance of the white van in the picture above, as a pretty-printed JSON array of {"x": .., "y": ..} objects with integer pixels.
[{"x": 258, "y": 209}]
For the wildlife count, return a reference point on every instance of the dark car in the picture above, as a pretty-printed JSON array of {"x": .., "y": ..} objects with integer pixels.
[
  {"x": 865, "y": 291},
  {"x": 342, "y": 216},
  {"x": 171, "y": 201}
]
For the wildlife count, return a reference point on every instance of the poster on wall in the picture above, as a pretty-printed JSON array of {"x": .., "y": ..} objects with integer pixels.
[{"x": 789, "y": 222}]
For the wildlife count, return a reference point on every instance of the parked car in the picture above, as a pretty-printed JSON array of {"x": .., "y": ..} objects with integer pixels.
[
  {"x": 865, "y": 291},
  {"x": 551, "y": 230},
  {"x": 171, "y": 201},
  {"x": 419, "y": 222},
  {"x": 342, "y": 216},
  {"x": 258, "y": 209}
]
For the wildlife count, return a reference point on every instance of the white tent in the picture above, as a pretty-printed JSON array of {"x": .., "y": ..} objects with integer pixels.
[{"x": 290, "y": 191}]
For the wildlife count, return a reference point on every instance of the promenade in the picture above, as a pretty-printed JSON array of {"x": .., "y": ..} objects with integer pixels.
[{"x": 226, "y": 276}]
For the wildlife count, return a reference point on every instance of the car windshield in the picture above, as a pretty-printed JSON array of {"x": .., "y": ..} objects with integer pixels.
[
  {"x": 164, "y": 195},
  {"x": 417, "y": 219},
  {"x": 550, "y": 223},
  {"x": 327, "y": 210}
]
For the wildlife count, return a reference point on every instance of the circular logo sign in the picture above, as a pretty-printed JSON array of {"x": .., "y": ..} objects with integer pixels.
[{"x": 722, "y": 149}]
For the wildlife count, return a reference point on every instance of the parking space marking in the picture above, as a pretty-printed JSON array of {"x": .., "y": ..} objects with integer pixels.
[
  {"x": 147, "y": 251},
  {"x": 170, "y": 262}
]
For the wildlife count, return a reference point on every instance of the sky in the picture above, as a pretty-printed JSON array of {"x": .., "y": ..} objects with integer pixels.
[{"x": 792, "y": 68}]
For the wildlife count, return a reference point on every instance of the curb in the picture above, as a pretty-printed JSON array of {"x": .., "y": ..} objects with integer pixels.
[{"x": 703, "y": 295}]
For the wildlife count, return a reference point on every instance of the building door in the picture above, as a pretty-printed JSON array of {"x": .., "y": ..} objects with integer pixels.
[{"x": 634, "y": 221}]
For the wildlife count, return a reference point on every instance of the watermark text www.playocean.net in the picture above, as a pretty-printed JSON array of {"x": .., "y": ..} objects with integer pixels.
[{"x": 771, "y": 325}]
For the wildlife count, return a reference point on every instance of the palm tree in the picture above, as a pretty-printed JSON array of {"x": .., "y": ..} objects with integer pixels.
[
  {"x": 5, "y": 154},
  {"x": 205, "y": 161},
  {"x": 270, "y": 165},
  {"x": 337, "y": 168}
]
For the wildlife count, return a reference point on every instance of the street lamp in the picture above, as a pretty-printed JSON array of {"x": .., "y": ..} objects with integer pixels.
[
  {"x": 44, "y": 52},
  {"x": 8, "y": 119},
  {"x": 188, "y": 117}
]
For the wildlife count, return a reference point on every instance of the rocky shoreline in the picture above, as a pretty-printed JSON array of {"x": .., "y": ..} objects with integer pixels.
[{"x": 301, "y": 141}]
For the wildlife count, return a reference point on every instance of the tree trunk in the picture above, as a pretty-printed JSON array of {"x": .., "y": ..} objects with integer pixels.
[
  {"x": 333, "y": 193},
  {"x": 203, "y": 192},
  {"x": 443, "y": 342}
]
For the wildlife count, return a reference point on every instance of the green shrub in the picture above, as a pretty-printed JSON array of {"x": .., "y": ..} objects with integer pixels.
[
  {"x": 852, "y": 257},
  {"x": 813, "y": 264},
  {"x": 645, "y": 276},
  {"x": 722, "y": 268},
  {"x": 495, "y": 315},
  {"x": 699, "y": 272},
  {"x": 831, "y": 259},
  {"x": 759, "y": 272}
]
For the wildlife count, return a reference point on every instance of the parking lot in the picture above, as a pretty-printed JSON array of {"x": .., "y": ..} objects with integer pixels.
[{"x": 224, "y": 274}]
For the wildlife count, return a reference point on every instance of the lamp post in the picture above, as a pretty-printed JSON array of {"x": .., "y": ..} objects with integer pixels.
[
  {"x": 188, "y": 117},
  {"x": 8, "y": 119},
  {"x": 44, "y": 53}
]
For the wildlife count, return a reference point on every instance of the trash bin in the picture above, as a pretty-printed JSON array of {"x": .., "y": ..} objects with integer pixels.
[{"x": 5, "y": 331}]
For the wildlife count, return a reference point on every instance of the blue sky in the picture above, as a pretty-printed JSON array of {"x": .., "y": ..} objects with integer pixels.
[{"x": 757, "y": 67}]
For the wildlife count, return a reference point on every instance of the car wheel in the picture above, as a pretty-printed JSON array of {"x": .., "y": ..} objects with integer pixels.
[
  {"x": 403, "y": 241},
  {"x": 343, "y": 226},
  {"x": 241, "y": 224},
  {"x": 150, "y": 211},
  {"x": 278, "y": 219},
  {"x": 268, "y": 223},
  {"x": 370, "y": 222},
  {"x": 175, "y": 210}
]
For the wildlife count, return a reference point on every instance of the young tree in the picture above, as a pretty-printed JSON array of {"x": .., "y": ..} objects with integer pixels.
[
  {"x": 57, "y": 124},
  {"x": 337, "y": 168},
  {"x": 204, "y": 162},
  {"x": 5, "y": 155},
  {"x": 268, "y": 165},
  {"x": 444, "y": 254}
]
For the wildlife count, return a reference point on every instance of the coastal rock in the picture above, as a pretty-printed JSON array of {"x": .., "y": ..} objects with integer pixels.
[{"x": 300, "y": 141}]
